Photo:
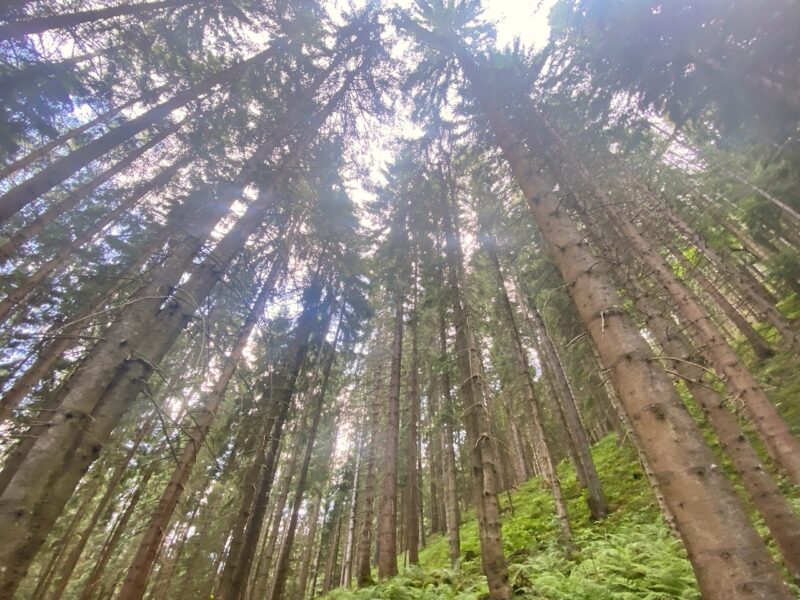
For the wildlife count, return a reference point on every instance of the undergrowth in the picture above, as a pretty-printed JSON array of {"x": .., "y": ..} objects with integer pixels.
[{"x": 629, "y": 555}]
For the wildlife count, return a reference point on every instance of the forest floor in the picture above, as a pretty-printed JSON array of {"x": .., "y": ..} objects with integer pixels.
[{"x": 630, "y": 555}]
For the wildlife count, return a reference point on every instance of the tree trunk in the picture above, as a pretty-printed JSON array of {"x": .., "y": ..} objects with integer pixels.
[
  {"x": 412, "y": 507},
  {"x": 598, "y": 506},
  {"x": 11, "y": 248},
  {"x": 387, "y": 501},
  {"x": 135, "y": 582},
  {"x": 279, "y": 391},
  {"x": 729, "y": 558},
  {"x": 760, "y": 348},
  {"x": 546, "y": 461},
  {"x": 452, "y": 516},
  {"x": 781, "y": 445},
  {"x": 481, "y": 451},
  {"x": 45, "y": 149},
  {"x": 101, "y": 508},
  {"x": 313, "y": 520},
  {"x": 113, "y": 376},
  {"x": 66, "y": 252},
  {"x": 36, "y": 25},
  {"x": 363, "y": 572},
  {"x": 282, "y": 566},
  {"x": 119, "y": 530},
  {"x": 63, "y": 168}
]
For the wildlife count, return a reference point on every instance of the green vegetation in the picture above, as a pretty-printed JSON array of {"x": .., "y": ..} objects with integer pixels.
[{"x": 629, "y": 555}]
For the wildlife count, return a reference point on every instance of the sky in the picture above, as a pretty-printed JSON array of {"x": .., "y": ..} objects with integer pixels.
[{"x": 526, "y": 19}]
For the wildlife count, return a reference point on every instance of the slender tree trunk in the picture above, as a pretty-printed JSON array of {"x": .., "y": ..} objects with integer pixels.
[
  {"x": 135, "y": 582},
  {"x": 66, "y": 251},
  {"x": 114, "y": 539},
  {"x": 760, "y": 348},
  {"x": 45, "y": 149},
  {"x": 412, "y": 508},
  {"x": 35, "y": 25},
  {"x": 64, "y": 335},
  {"x": 313, "y": 520},
  {"x": 101, "y": 508},
  {"x": 63, "y": 168},
  {"x": 328, "y": 582},
  {"x": 105, "y": 393},
  {"x": 598, "y": 507},
  {"x": 781, "y": 445},
  {"x": 363, "y": 574},
  {"x": 387, "y": 501},
  {"x": 282, "y": 566},
  {"x": 529, "y": 397},
  {"x": 452, "y": 516},
  {"x": 482, "y": 457},
  {"x": 728, "y": 556},
  {"x": 12, "y": 247},
  {"x": 279, "y": 393},
  {"x": 350, "y": 541},
  {"x": 761, "y": 487}
]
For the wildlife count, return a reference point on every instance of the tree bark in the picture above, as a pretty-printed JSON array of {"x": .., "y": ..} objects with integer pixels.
[
  {"x": 35, "y": 25},
  {"x": 779, "y": 442},
  {"x": 483, "y": 461},
  {"x": 278, "y": 394},
  {"x": 63, "y": 168},
  {"x": 387, "y": 501},
  {"x": 523, "y": 370},
  {"x": 761, "y": 487},
  {"x": 66, "y": 251},
  {"x": 12, "y": 247},
  {"x": 452, "y": 515},
  {"x": 598, "y": 506},
  {"x": 281, "y": 571},
  {"x": 412, "y": 507},
  {"x": 135, "y": 584}
]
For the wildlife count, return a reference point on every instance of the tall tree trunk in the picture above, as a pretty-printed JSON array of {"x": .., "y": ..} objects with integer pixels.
[
  {"x": 132, "y": 347},
  {"x": 279, "y": 393},
  {"x": 36, "y": 25},
  {"x": 778, "y": 440},
  {"x": 328, "y": 581},
  {"x": 363, "y": 572},
  {"x": 43, "y": 150},
  {"x": 120, "y": 528},
  {"x": 766, "y": 496},
  {"x": 598, "y": 506},
  {"x": 727, "y": 554},
  {"x": 387, "y": 501},
  {"x": 313, "y": 520},
  {"x": 546, "y": 461},
  {"x": 11, "y": 248},
  {"x": 412, "y": 508},
  {"x": 485, "y": 484},
  {"x": 63, "y": 168},
  {"x": 760, "y": 347},
  {"x": 452, "y": 516},
  {"x": 350, "y": 541},
  {"x": 65, "y": 333},
  {"x": 282, "y": 566},
  {"x": 101, "y": 508},
  {"x": 135, "y": 582},
  {"x": 66, "y": 251}
]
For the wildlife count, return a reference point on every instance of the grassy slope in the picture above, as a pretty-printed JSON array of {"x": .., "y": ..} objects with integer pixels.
[{"x": 628, "y": 556}]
